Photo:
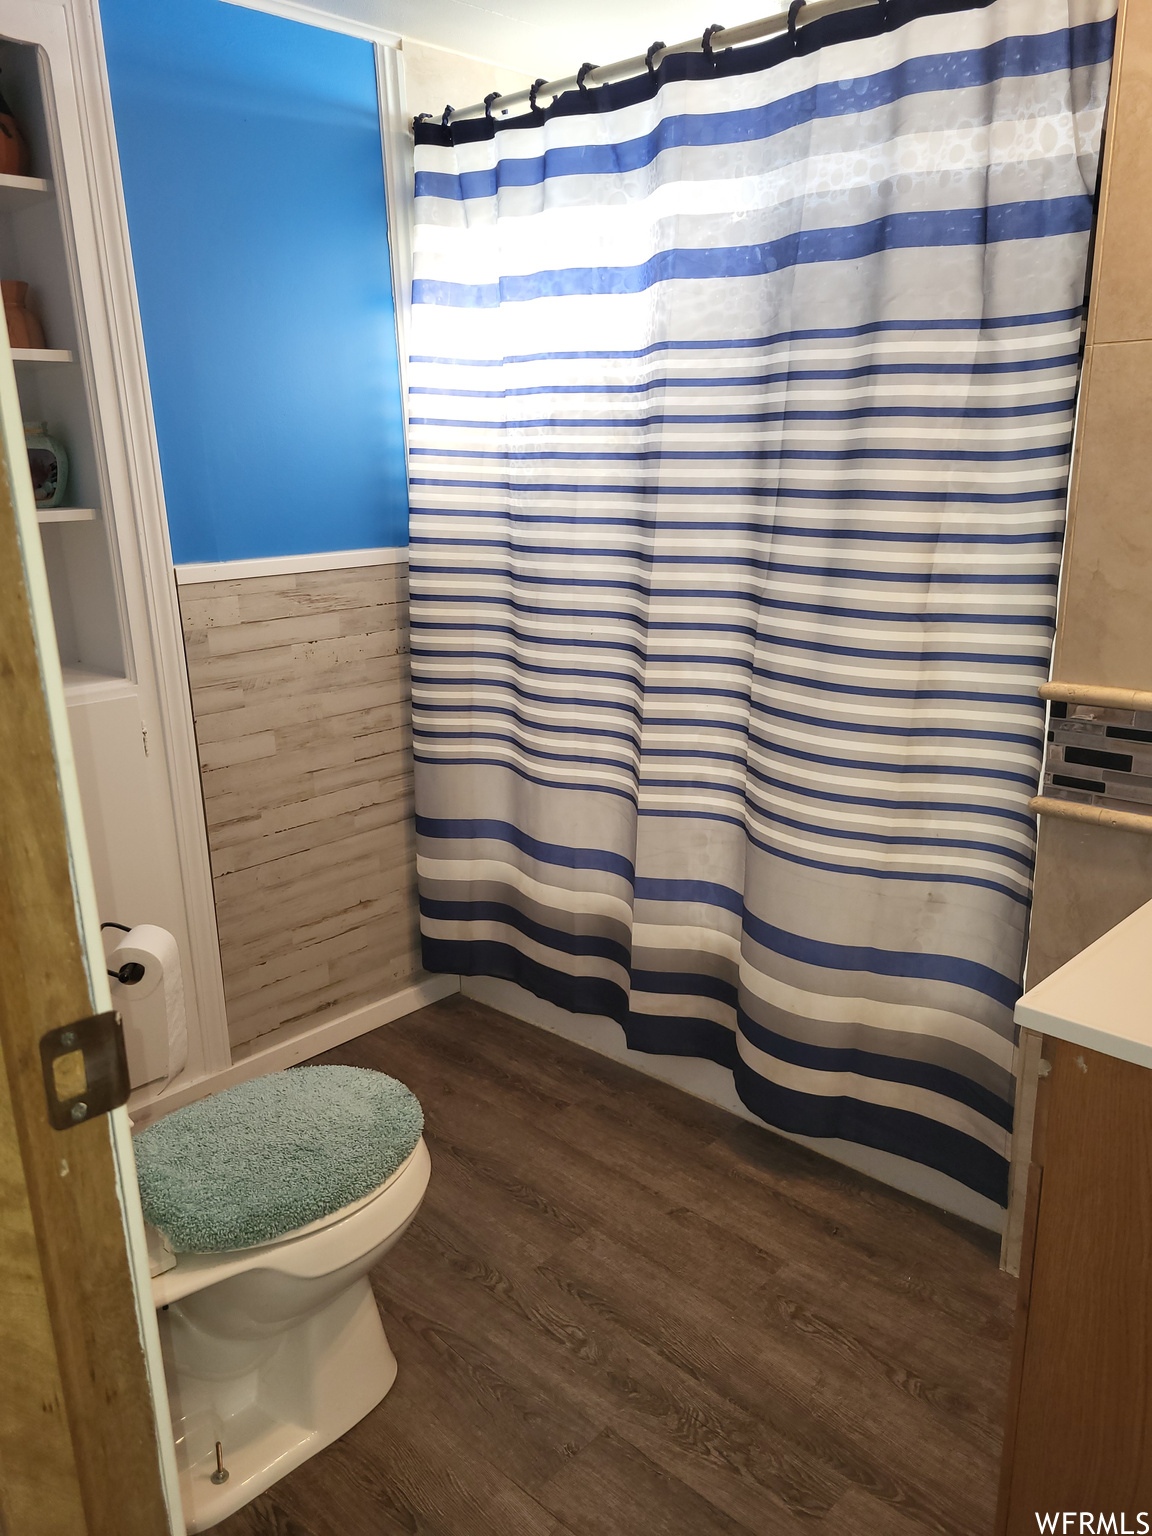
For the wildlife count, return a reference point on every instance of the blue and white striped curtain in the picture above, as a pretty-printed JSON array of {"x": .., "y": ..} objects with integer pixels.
[{"x": 741, "y": 401}]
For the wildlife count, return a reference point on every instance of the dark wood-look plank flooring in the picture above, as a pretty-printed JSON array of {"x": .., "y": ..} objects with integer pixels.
[{"x": 624, "y": 1312}]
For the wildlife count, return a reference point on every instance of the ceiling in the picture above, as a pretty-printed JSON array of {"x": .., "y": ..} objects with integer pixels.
[{"x": 536, "y": 37}]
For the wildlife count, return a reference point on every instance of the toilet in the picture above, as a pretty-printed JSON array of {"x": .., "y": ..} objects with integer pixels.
[{"x": 274, "y": 1349}]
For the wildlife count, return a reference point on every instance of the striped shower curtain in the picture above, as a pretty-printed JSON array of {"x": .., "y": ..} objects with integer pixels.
[{"x": 740, "y": 403}]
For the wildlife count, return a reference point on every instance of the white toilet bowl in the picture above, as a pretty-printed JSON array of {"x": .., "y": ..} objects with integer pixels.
[{"x": 277, "y": 1350}]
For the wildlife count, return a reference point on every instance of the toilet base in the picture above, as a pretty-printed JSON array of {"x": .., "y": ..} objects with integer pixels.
[{"x": 274, "y": 1407}]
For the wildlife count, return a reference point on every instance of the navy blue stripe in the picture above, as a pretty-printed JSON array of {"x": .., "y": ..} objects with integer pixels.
[
  {"x": 422, "y": 709},
  {"x": 888, "y": 1069},
  {"x": 591, "y": 944},
  {"x": 768, "y": 527},
  {"x": 755, "y": 455},
  {"x": 791, "y": 374},
  {"x": 656, "y": 488},
  {"x": 914, "y": 651},
  {"x": 840, "y": 957},
  {"x": 691, "y": 381},
  {"x": 901, "y": 1132},
  {"x": 757, "y": 706},
  {"x": 829, "y": 610},
  {"x": 743, "y": 729},
  {"x": 647, "y": 557},
  {"x": 905, "y": 1134},
  {"x": 559, "y": 854},
  {"x": 817, "y": 952},
  {"x": 782, "y": 567},
  {"x": 754, "y": 418},
  {"x": 809, "y": 829},
  {"x": 1019, "y": 896},
  {"x": 962, "y": 69},
  {"x": 778, "y": 338},
  {"x": 807, "y": 791},
  {"x": 670, "y": 525},
  {"x": 1036, "y": 220}
]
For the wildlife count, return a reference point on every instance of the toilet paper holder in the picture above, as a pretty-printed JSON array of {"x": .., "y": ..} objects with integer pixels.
[{"x": 131, "y": 971}]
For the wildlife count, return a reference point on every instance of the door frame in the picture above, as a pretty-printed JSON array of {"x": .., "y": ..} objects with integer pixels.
[{"x": 91, "y": 1430}]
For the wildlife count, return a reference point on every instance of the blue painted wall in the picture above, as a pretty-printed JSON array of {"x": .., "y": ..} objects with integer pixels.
[{"x": 250, "y": 152}]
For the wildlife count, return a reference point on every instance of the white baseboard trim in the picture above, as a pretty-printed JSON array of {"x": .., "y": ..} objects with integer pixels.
[
  {"x": 288, "y": 565},
  {"x": 290, "y": 1045},
  {"x": 707, "y": 1080}
]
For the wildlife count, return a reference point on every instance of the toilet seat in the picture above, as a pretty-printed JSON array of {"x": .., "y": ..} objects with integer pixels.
[{"x": 315, "y": 1249}]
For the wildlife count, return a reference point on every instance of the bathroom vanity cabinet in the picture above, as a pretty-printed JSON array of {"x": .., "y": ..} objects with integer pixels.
[
  {"x": 1079, "y": 1430},
  {"x": 63, "y": 232}
]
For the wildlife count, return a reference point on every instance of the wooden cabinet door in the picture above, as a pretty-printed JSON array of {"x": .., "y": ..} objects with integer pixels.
[
  {"x": 1083, "y": 1423},
  {"x": 80, "y": 1447}
]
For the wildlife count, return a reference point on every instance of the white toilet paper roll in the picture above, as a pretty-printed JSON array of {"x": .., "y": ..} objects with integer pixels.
[{"x": 155, "y": 1024}]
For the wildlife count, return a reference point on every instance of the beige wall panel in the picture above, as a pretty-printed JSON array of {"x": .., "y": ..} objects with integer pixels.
[
  {"x": 435, "y": 77},
  {"x": 300, "y": 692},
  {"x": 1105, "y": 629},
  {"x": 1088, "y": 879},
  {"x": 1122, "y": 271}
]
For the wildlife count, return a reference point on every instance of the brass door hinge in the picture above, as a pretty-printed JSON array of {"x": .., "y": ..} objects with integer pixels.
[{"x": 85, "y": 1069}]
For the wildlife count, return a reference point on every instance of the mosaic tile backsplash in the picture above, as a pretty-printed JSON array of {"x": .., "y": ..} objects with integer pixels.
[{"x": 1100, "y": 757}]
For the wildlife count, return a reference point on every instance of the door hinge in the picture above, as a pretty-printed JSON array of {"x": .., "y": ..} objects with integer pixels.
[{"x": 85, "y": 1069}]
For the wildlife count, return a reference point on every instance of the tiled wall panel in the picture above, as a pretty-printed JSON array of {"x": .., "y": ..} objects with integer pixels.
[
  {"x": 1104, "y": 623},
  {"x": 300, "y": 694},
  {"x": 1104, "y": 633}
]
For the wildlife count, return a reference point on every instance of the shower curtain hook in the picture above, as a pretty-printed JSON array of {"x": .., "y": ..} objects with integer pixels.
[
  {"x": 536, "y": 84},
  {"x": 584, "y": 70},
  {"x": 448, "y": 111},
  {"x": 421, "y": 117},
  {"x": 488, "y": 100},
  {"x": 706, "y": 41},
  {"x": 793, "y": 11},
  {"x": 651, "y": 54}
]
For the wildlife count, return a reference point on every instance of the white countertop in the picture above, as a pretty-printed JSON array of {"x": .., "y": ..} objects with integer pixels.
[{"x": 1102, "y": 998}]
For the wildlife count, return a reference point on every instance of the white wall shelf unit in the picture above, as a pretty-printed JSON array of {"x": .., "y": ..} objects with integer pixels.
[
  {"x": 19, "y": 191},
  {"x": 67, "y": 514},
  {"x": 63, "y": 232}
]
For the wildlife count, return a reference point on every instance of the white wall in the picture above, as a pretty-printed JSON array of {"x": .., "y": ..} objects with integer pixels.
[
  {"x": 437, "y": 77},
  {"x": 529, "y": 37}
]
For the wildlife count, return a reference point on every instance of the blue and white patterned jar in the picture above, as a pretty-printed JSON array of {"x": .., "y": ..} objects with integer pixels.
[{"x": 48, "y": 461}]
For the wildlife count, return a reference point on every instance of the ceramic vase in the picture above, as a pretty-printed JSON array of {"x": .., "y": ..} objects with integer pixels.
[
  {"x": 48, "y": 462},
  {"x": 24, "y": 330},
  {"x": 14, "y": 159}
]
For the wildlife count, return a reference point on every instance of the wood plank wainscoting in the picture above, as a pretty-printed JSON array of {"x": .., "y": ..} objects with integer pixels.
[{"x": 300, "y": 693}]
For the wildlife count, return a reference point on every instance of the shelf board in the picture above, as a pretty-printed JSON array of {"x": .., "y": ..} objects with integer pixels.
[
  {"x": 83, "y": 684},
  {"x": 41, "y": 355},
  {"x": 67, "y": 514},
  {"x": 19, "y": 191}
]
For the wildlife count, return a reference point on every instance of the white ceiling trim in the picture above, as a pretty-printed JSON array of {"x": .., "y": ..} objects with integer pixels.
[
  {"x": 548, "y": 38},
  {"x": 318, "y": 16}
]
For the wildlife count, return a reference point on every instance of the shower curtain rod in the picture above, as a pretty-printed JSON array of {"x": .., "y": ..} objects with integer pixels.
[{"x": 601, "y": 74}]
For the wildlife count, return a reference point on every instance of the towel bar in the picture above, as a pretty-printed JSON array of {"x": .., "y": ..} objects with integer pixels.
[
  {"x": 1092, "y": 693},
  {"x": 1095, "y": 815}
]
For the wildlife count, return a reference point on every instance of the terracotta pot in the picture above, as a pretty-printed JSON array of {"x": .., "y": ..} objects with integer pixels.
[
  {"x": 24, "y": 330},
  {"x": 14, "y": 159}
]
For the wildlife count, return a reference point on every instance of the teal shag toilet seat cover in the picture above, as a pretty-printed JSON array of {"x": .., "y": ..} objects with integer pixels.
[{"x": 261, "y": 1159}]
